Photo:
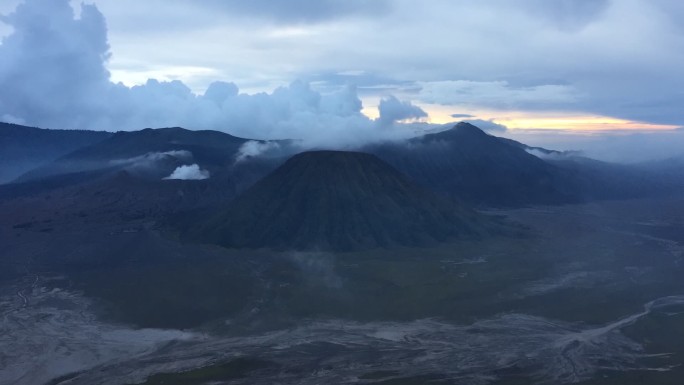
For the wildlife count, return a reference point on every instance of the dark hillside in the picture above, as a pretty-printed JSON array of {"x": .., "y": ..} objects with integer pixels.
[{"x": 337, "y": 200}]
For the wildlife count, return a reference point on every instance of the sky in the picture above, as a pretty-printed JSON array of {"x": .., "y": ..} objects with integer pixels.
[{"x": 599, "y": 74}]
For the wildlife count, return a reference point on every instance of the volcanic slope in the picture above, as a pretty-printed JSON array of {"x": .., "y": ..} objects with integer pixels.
[
  {"x": 341, "y": 201},
  {"x": 478, "y": 168},
  {"x": 24, "y": 148},
  {"x": 148, "y": 151}
]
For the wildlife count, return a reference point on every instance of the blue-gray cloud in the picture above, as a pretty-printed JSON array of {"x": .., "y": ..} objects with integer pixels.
[
  {"x": 53, "y": 74},
  {"x": 617, "y": 58},
  {"x": 52, "y": 64},
  {"x": 613, "y": 58},
  {"x": 393, "y": 110},
  {"x": 366, "y": 83}
]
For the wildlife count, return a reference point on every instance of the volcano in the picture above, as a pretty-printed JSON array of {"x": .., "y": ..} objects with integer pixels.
[{"x": 341, "y": 201}]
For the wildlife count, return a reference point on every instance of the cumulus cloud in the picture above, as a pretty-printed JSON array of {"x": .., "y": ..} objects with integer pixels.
[
  {"x": 546, "y": 154},
  {"x": 618, "y": 59},
  {"x": 54, "y": 75},
  {"x": 151, "y": 164},
  {"x": 613, "y": 58},
  {"x": 188, "y": 172},
  {"x": 219, "y": 92},
  {"x": 53, "y": 63},
  {"x": 393, "y": 110}
]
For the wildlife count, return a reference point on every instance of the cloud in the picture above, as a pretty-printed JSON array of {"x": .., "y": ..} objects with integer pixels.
[
  {"x": 497, "y": 94},
  {"x": 393, "y": 110},
  {"x": 255, "y": 148},
  {"x": 188, "y": 172},
  {"x": 459, "y": 116},
  {"x": 622, "y": 59},
  {"x": 611, "y": 58},
  {"x": 152, "y": 158},
  {"x": 219, "y": 92},
  {"x": 53, "y": 63},
  {"x": 151, "y": 164},
  {"x": 298, "y": 112},
  {"x": 54, "y": 75}
]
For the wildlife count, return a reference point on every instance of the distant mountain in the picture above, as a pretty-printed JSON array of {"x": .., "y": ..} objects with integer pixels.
[
  {"x": 149, "y": 152},
  {"x": 469, "y": 164},
  {"x": 333, "y": 200},
  {"x": 592, "y": 179},
  {"x": 25, "y": 148},
  {"x": 464, "y": 163},
  {"x": 153, "y": 155},
  {"x": 669, "y": 167},
  {"x": 598, "y": 180}
]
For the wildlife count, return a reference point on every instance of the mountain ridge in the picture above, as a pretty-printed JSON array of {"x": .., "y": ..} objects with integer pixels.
[
  {"x": 467, "y": 163},
  {"x": 462, "y": 162},
  {"x": 23, "y": 148}
]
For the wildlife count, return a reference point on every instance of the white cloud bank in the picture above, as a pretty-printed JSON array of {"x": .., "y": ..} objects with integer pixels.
[
  {"x": 608, "y": 58},
  {"x": 54, "y": 75}
]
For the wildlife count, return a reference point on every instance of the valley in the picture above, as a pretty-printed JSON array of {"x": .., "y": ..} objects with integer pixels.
[{"x": 590, "y": 293}]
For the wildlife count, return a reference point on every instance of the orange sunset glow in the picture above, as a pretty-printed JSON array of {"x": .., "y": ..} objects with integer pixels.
[
  {"x": 581, "y": 123},
  {"x": 535, "y": 120}
]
